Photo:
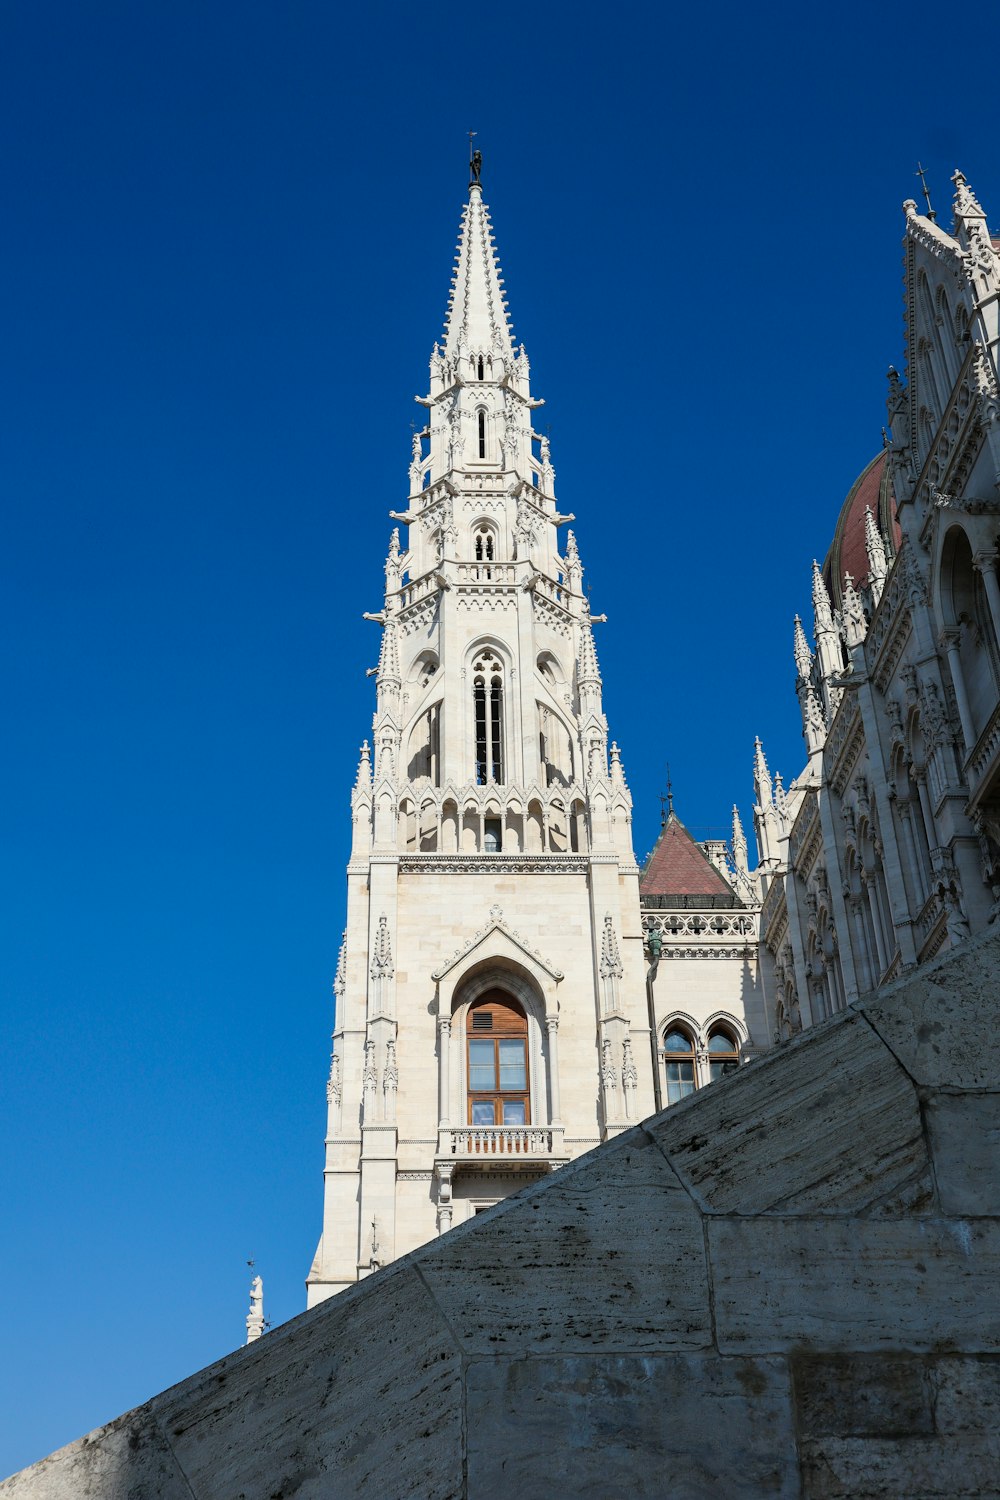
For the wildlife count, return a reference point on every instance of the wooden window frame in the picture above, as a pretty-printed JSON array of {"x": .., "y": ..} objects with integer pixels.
[{"x": 513, "y": 1026}]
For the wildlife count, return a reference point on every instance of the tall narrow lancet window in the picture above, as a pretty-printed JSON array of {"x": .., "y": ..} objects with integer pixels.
[
  {"x": 487, "y": 702},
  {"x": 678, "y": 1057},
  {"x": 723, "y": 1055},
  {"x": 481, "y": 367},
  {"x": 482, "y": 433}
]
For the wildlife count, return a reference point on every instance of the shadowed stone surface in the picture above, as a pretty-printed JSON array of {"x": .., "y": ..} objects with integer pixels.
[
  {"x": 615, "y": 1230},
  {"x": 899, "y": 1428},
  {"x": 681, "y": 1425},
  {"x": 381, "y": 1360},
  {"x": 780, "y": 1166},
  {"x": 861, "y": 1284},
  {"x": 965, "y": 1143},
  {"x": 127, "y": 1460},
  {"x": 808, "y": 1309},
  {"x": 941, "y": 1025}
]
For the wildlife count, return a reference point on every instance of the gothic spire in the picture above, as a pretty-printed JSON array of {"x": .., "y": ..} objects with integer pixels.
[
  {"x": 854, "y": 623},
  {"x": 739, "y": 843},
  {"x": 387, "y": 672},
  {"x": 803, "y": 656},
  {"x": 363, "y": 781},
  {"x": 821, "y": 601},
  {"x": 589, "y": 673},
  {"x": 875, "y": 547},
  {"x": 761, "y": 775},
  {"x": 477, "y": 321}
]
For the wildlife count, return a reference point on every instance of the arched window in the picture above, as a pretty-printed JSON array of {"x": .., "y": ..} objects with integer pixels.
[
  {"x": 480, "y": 367},
  {"x": 723, "y": 1054},
  {"x": 487, "y": 698},
  {"x": 481, "y": 416},
  {"x": 496, "y": 1032},
  {"x": 679, "y": 1059},
  {"x": 484, "y": 543}
]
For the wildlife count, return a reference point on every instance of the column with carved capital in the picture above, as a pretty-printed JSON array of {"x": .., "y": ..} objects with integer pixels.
[
  {"x": 555, "y": 1108},
  {"x": 909, "y": 839},
  {"x": 868, "y": 881},
  {"x": 926, "y": 811},
  {"x": 986, "y": 564},
  {"x": 950, "y": 644},
  {"x": 861, "y": 941},
  {"x": 445, "y": 1207},
  {"x": 444, "y": 1069}
]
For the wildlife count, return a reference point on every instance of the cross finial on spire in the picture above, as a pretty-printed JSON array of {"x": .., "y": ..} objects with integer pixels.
[
  {"x": 926, "y": 192},
  {"x": 475, "y": 162}
]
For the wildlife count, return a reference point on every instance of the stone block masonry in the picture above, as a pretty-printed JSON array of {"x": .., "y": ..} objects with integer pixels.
[{"x": 784, "y": 1286}]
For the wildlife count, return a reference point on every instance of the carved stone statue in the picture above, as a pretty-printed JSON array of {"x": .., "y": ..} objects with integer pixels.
[{"x": 476, "y": 166}]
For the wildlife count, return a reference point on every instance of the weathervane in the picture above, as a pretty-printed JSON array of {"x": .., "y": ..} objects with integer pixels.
[{"x": 927, "y": 197}]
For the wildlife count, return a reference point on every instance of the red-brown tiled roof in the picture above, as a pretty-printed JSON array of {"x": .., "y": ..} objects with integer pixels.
[
  {"x": 678, "y": 867},
  {"x": 848, "y": 553}
]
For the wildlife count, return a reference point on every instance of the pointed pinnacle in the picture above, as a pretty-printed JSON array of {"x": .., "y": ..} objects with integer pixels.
[
  {"x": 967, "y": 205},
  {"x": 589, "y": 672},
  {"x": 875, "y": 547},
  {"x": 364, "y": 776},
  {"x": 821, "y": 600},
  {"x": 800, "y": 649},
  {"x": 739, "y": 843},
  {"x": 761, "y": 775},
  {"x": 477, "y": 319}
]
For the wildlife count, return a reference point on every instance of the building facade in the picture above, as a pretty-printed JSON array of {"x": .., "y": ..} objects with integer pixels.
[
  {"x": 512, "y": 988},
  {"x": 496, "y": 1012},
  {"x": 885, "y": 850}
]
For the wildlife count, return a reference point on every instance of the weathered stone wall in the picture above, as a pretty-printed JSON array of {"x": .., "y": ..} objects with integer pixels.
[{"x": 785, "y": 1286}]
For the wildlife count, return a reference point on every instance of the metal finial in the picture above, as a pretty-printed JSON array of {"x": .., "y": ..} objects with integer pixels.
[
  {"x": 667, "y": 811},
  {"x": 927, "y": 197},
  {"x": 475, "y": 162}
]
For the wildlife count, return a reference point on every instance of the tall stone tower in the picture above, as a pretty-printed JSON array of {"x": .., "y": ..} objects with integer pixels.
[{"x": 491, "y": 1015}]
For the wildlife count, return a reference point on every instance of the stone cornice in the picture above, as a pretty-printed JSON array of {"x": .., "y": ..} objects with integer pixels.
[{"x": 494, "y": 864}]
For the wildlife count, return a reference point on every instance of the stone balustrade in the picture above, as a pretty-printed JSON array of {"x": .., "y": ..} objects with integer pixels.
[{"x": 501, "y": 1140}]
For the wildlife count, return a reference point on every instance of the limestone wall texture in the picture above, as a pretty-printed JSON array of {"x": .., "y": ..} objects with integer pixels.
[{"x": 785, "y": 1286}]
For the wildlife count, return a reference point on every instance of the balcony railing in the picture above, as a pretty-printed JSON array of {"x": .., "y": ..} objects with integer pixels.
[{"x": 482, "y": 1141}]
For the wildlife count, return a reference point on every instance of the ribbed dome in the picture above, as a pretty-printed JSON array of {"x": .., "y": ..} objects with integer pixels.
[{"x": 847, "y": 554}]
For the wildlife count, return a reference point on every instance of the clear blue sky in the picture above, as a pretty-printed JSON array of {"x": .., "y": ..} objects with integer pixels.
[{"x": 227, "y": 238}]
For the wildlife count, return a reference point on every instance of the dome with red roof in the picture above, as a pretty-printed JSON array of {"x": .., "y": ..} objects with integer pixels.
[{"x": 871, "y": 490}]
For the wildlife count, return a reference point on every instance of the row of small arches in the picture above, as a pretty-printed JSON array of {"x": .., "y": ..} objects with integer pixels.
[{"x": 550, "y": 827}]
